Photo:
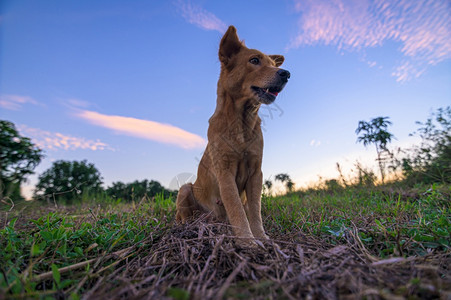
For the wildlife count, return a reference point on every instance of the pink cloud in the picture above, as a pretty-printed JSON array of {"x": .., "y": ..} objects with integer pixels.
[
  {"x": 15, "y": 102},
  {"x": 200, "y": 17},
  {"x": 163, "y": 133},
  {"x": 55, "y": 140},
  {"x": 423, "y": 28}
]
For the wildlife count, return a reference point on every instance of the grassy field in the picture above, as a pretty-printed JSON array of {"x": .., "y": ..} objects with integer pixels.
[{"x": 354, "y": 243}]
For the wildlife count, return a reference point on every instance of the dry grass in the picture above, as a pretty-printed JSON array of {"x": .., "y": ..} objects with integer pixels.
[{"x": 200, "y": 261}]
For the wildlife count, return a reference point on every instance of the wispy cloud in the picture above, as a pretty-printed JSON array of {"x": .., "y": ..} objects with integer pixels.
[
  {"x": 15, "y": 102},
  {"x": 163, "y": 133},
  {"x": 422, "y": 27},
  {"x": 78, "y": 103},
  {"x": 194, "y": 14},
  {"x": 55, "y": 140},
  {"x": 315, "y": 143},
  {"x": 408, "y": 70}
]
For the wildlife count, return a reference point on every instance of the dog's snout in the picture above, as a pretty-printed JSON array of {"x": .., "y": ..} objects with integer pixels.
[{"x": 284, "y": 74}]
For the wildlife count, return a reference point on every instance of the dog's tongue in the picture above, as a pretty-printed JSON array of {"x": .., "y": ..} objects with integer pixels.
[{"x": 274, "y": 94}]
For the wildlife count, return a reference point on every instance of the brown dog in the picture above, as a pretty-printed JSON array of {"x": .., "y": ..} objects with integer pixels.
[{"x": 229, "y": 178}]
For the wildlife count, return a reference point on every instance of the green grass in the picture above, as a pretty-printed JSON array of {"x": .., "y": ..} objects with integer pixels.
[
  {"x": 56, "y": 240},
  {"x": 36, "y": 244},
  {"x": 386, "y": 223}
]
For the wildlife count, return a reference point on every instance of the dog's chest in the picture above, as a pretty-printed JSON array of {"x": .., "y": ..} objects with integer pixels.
[{"x": 245, "y": 169}]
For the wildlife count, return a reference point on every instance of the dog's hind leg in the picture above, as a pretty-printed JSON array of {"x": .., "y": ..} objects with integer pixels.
[{"x": 186, "y": 204}]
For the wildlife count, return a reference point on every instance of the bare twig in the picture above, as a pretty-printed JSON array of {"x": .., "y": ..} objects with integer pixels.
[
  {"x": 229, "y": 279},
  {"x": 48, "y": 275},
  {"x": 10, "y": 200}
]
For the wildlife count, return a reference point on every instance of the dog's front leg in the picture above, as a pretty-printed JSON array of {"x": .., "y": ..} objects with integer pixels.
[
  {"x": 235, "y": 210},
  {"x": 253, "y": 205}
]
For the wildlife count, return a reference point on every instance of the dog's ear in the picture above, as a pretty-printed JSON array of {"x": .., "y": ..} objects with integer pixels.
[
  {"x": 278, "y": 59},
  {"x": 229, "y": 46}
]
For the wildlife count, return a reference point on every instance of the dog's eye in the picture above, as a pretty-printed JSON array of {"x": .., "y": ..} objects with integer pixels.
[{"x": 254, "y": 61}]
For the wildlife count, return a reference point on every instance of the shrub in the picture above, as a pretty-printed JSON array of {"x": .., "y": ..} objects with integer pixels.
[{"x": 431, "y": 161}]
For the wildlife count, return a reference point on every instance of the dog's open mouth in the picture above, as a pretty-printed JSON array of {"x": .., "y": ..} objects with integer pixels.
[{"x": 266, "y": 95}]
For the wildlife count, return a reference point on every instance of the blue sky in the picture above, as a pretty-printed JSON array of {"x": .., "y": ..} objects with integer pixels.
[{"x": 130, "y": 85}]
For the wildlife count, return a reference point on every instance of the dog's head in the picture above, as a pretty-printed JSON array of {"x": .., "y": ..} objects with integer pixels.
[{"x": 248, "y": 73}]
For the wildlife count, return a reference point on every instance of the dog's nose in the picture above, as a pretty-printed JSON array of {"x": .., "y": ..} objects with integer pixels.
[{"x": 284, "y": 74}]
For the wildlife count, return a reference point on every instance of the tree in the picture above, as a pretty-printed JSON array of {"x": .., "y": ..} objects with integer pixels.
[
  {"x": 136, "y": 190},
  {"x": 267, "y": 185},
  {"x": 118, "y": 190},
  {"x": 285, "y": 179},
  {"x": 66, "y": 179},
  {"x": 333, "y": 185},
  {"x": 18, "y": 158},
  {"x": 375, "y": 132}
]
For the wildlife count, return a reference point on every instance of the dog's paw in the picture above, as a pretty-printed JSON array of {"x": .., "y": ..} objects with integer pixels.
[
  {"x": 263, "y": 237},
  {"x": 246, "y": 243}
]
